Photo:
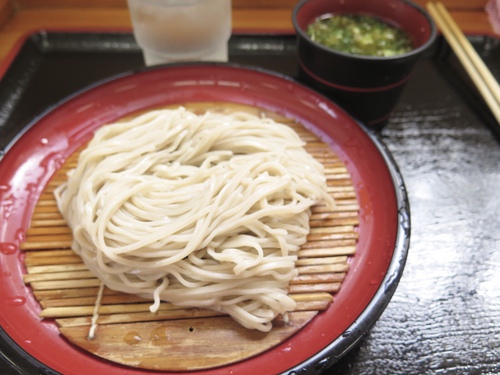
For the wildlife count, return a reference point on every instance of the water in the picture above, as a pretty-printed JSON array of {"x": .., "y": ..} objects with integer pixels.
[
  {"x": 8, "y": 248},
  {"x": 181, "y": 30}
]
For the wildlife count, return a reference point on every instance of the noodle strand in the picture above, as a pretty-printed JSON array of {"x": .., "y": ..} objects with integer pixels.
[{"x": 197, "y": 210}]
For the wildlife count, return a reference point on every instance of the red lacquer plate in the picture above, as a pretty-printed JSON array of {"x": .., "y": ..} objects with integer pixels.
[{"x": 384, "y": 228}]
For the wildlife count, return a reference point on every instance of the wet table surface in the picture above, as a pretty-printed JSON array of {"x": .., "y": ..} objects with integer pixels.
[
  {"x": 445, "y": 315},
  {"x": 444, "y": 318}
]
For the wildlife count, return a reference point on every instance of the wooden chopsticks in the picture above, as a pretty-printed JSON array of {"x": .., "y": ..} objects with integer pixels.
[{"x": 476, "y": 68}]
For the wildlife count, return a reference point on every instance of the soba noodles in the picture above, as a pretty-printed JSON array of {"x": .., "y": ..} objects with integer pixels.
[{"x": 198, "y": 210}]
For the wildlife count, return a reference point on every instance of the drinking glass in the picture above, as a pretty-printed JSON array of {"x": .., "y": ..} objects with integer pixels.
[{"x": 181, "y": 30}]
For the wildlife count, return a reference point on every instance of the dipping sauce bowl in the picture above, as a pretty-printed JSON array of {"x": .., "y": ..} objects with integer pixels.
[{"x": 368, "y": 87}]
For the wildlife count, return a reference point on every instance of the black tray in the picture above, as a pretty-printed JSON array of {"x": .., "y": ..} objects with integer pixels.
[{"x": 445, "y": 315}]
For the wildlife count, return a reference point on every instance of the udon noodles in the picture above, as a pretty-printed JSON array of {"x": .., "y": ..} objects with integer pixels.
[{"x": 200, "y": 210}]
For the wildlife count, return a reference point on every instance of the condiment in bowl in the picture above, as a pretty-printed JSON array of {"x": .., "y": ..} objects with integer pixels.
[
  {"x": 361, "y": 53},
  {"x": 359, "y": 34}
]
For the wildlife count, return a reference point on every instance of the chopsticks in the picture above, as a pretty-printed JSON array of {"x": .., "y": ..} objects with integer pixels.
[{"x": 484, "y": 81}]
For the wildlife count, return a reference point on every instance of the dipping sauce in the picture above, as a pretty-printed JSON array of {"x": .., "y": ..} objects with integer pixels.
[{"x": 359, "y": 35}]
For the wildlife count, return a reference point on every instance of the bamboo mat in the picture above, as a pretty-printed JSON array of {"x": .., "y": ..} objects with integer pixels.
[{"x": 129, "y": 334}]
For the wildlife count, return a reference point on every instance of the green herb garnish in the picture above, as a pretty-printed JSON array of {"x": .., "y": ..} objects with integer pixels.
[{"x": 360, "y": 35}]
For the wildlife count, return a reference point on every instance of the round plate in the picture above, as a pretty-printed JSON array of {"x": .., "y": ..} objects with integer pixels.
[{"x": 384, "y": 214}]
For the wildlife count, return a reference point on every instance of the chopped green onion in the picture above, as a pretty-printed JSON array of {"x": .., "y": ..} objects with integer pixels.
[{"x": 359, "y": 35}]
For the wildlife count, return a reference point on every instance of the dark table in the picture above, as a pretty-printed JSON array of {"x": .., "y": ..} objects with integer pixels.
[
  {"x": 445, "y": 315},
  {"x": 444, "y": 318}
]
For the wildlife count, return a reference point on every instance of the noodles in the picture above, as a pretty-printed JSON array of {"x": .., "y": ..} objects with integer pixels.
[
  {"x": 198, "y": 210},
  {"x": 95, "y": 314}
]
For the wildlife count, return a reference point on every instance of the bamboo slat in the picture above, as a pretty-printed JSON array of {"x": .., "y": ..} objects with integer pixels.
[{"x": 67, "y": 290}]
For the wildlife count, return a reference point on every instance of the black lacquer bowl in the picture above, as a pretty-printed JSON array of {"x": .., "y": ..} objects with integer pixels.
[{"x": 368, "y": 87}]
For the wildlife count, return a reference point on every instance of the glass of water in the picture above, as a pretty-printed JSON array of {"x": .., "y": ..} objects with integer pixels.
[{"x": 181, "y": 30}]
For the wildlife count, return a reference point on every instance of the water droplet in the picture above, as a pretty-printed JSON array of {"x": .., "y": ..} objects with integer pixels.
[
  {"x": 52, "y": 162},
  {"x": 346, "y": 333},
  {"x": 132, "y": 338},
  {"x": 373, "y": 282},
  {"x": 323, "y": 364},
  {"x": 159, "y": 336},
  {"x": 20, "y": 235},
  {"x": 7, "y": 273},
  {"x": 8, "y": 248},
  {"x": 44, "y": 141},
  {"x": 32, "y": 187},
  {"x": 7, "y": 204},
  {"x": 404, "y": 219},
  {"x": 17, "y": 301}
]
